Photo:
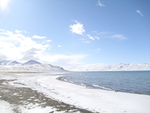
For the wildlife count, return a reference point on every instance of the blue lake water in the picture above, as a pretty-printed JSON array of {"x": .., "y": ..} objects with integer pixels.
[{"x": 122, "y": 81}]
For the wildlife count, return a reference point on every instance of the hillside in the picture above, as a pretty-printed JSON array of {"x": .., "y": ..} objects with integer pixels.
[
  {"x": 126, "y": 67},
  {"x": 29, "y": 66}
]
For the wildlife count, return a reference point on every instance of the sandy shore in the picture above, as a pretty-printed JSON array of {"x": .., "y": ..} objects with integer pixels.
[{"x": 29, "y": 99}]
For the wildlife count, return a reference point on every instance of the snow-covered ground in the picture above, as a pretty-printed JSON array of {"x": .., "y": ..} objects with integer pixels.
[
  {"x": 96, "y": 100},
  {"x": 5, "y": 107}
]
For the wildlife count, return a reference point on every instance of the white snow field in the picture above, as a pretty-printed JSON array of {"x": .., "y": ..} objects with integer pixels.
[
  {"x": 95, "y": 100},
  {"x": 5, "y": 107}
]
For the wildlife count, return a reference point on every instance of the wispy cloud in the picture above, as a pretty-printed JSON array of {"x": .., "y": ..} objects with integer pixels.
[
  {"x": 59, "y": 45},
  {"x": 18, "y": 31},
  {"x": 111, "y": 35},
  {"x": 90, "y": 37},
  {"x": 118, "y": 37},
  {"x": 48, "y": 41},
  {"x": 98, "y": 49},
  {"x": 139, "y": 12},
  {"x": 84, "y": 40},
  {"x": 77, "y": 28},
  {"x": 100, "y": 4},
  {"x": 87, "y": 41},
  {"x": 96, "y": 37},
  {"x": 38, "y": 37}
]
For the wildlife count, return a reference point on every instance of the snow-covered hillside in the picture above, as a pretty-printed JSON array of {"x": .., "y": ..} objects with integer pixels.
[
  {"x": 35, "y": 66},
  {"x": 126, "y": 67},
  {"x": 29, "y": 66}
]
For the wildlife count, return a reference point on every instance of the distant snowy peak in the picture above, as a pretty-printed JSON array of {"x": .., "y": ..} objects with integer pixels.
[
  {"x": 14, "y": 63},
  {"x": 126, "y": 67},
  {"x": 9, "y": 62},
  {"x": 5, "y": 62},
  {"x": 31, "y": 62},
  {"x": 29, "y": 66}
]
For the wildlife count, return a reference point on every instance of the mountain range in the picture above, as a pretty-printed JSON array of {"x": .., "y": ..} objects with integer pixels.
[
  {"x": 121, "y": 67},
  {"x": 35, "y": 66},
  {"x": 29, "y": 66}
]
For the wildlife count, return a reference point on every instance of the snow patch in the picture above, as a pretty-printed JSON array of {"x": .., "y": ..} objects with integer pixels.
[{"x": 5, "y": 107}]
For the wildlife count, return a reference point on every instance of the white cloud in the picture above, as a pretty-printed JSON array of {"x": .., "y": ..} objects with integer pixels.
[
  {"x": 111, "y": 35},
  {"x": 49, "y": 41},
  {"x": 96, "y": 37},
  {"x": 18, "y": 31},
  {"x": 38, "y": 37},
  {"x": 14, "y": 46},
  {"x": 87, "y": 41},
  {"x": 5, "y": 32},
  {"x": 90, "y": 37},
  {"x": 100, "y": 4},
  {"x": 118, "y": 36},
  {"x": 139, "y": 12},
  {"x": 77, "y": 28},
  {"x": 84, "y": 40},
  {"x": 59, "y": 45},
  {"x": 31, "y": 54},
  {"x": 98, "y": 49}
]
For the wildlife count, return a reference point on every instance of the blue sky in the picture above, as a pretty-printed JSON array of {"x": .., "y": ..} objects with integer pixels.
[{"x": 75, "y": 34}]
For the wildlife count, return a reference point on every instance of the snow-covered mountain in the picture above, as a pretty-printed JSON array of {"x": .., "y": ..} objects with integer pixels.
[
  {"x": 35, "y": 66},
  {"x": 126, "y": 67},
  {"x": 31, "y": 62},
  {"x": 29, "y": 66}
]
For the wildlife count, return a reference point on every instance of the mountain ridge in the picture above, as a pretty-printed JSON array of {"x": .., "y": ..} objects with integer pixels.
[
  {"x": 36, "y": 66},
  {"x": 29, "y": 66},
  {"x": 126, "y": 67}
]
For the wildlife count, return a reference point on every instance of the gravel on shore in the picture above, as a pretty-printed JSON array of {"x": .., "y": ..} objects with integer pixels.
[{"x": 24, "y": 96}]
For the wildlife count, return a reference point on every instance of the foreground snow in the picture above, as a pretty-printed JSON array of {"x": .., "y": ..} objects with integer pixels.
[
  {"x": 5, "y": 107},
  {"x": 91, "y": 99}
]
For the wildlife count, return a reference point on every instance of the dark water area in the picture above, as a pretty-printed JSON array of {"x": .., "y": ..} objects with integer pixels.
[{"x": 122, "y": 81}]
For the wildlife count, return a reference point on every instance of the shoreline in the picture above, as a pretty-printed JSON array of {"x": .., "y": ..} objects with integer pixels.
[
  {"x": 91, "y": 100},
  {"x": 61, "y": 77},
  {"x": 23, "y": 99}
]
